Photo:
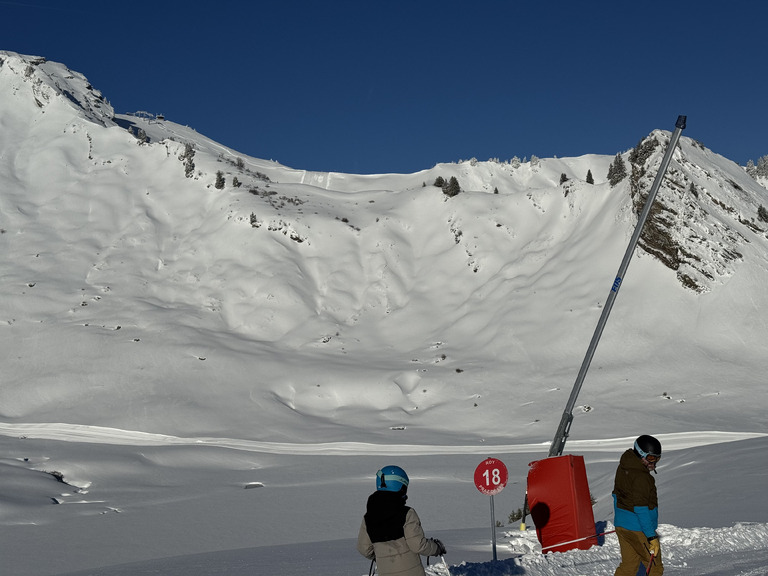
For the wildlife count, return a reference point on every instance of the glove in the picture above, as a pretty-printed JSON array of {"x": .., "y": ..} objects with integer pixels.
[
  {"x": 440, "y": 547},
  {"x": 653, "y": 546}
]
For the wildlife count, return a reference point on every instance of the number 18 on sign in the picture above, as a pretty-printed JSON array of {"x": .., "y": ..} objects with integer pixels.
[{"x": 490, "y": 479}]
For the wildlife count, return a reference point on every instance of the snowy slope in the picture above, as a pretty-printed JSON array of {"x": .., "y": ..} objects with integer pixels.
[{"x": 167, "y": 341}]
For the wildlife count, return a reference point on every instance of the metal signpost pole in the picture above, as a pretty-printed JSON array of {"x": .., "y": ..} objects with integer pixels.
[
  {"x": 493, "y": 529},
  {"x": 490, "y": 478}
]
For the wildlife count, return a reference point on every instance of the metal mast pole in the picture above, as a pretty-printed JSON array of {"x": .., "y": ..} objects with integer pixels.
[{"x": 558, "y": 443}]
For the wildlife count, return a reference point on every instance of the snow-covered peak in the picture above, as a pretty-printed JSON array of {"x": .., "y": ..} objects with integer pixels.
[
  {"x": 706, "y": 211},
  {"x": 35, "y": 80}
]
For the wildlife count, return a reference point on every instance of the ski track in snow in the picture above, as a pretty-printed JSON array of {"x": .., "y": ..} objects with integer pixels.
[{"x": 103, "y": 435}]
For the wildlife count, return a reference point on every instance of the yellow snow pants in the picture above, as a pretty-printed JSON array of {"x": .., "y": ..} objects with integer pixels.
[{"x": 634, "y": 551}]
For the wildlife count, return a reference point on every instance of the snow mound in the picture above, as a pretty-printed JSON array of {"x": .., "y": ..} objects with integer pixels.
[{"x": 693, "y": 551}]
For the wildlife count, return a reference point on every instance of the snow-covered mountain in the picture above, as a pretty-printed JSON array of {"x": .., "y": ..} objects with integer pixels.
[
  {"x": 704, "y": 215},
  {"x": 157, "y": 284},
  {"x": 339, "y": 268}
]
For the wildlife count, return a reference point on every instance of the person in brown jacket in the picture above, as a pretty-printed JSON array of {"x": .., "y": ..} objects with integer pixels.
[
  {"x": 636, "y": 508},
  {"x": 391, "y": 532}
]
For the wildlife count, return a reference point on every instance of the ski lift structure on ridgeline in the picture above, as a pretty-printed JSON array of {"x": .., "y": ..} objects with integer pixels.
[{"x": 148, "y": 116}]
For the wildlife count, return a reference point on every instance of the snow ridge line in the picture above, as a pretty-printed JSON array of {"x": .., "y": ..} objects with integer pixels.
[{"x": 103, "y": 435}]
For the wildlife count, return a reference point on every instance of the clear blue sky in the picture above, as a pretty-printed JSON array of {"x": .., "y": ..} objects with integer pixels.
[{"x": 373, "y": 87}]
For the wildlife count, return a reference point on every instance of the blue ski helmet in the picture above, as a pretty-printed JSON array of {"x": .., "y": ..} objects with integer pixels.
[{"x": 391, "y": 479}]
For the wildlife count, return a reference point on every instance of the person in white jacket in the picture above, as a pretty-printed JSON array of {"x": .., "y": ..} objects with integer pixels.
[{"x": 391, "y": 532}]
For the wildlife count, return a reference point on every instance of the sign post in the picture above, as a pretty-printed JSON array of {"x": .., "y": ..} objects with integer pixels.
[{"x": 490, "y": 478}]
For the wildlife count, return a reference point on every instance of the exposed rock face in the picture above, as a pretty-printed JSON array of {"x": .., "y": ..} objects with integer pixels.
[
  {"x": 699, "y": 220},
  {"x": 44, "y": 80}
]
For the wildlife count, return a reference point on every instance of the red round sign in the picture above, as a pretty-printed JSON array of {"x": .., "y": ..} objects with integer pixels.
[{"x": 491, "y": 476}]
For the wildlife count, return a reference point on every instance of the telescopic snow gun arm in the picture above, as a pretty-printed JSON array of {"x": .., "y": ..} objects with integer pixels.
[{"x": 558, "y": 443}]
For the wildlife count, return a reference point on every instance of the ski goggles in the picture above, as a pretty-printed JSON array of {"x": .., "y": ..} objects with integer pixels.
[{"x": 652, "y": 458}]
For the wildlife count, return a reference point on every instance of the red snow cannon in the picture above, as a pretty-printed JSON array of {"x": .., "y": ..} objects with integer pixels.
[{"x": 560, "y": 504}]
